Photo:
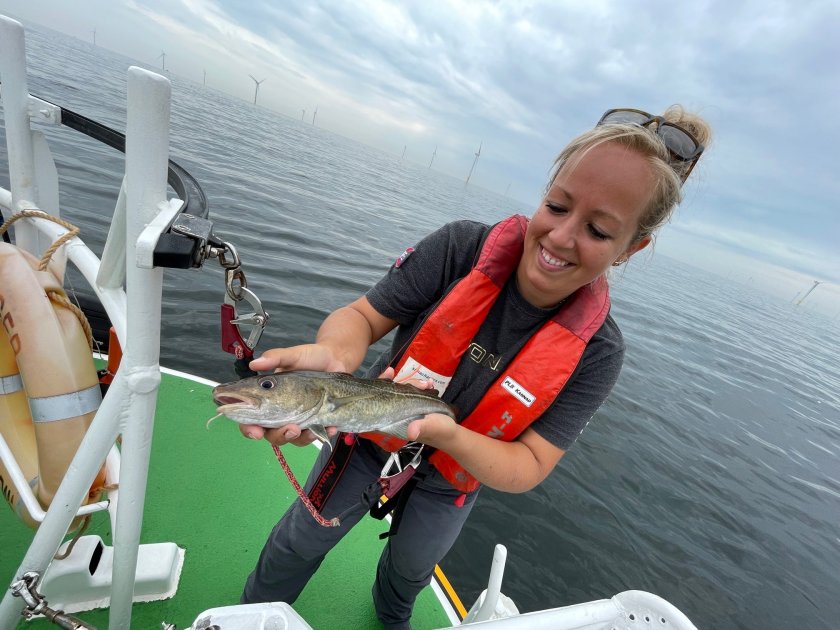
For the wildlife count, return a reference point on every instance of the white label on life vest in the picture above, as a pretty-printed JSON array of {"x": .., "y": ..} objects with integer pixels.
[
  {"x": 518, "y": 392},
  {"x": 414, "y": 370}
]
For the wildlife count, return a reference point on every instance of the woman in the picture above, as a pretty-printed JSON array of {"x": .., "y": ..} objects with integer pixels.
[{"x": 511, "y": 324}]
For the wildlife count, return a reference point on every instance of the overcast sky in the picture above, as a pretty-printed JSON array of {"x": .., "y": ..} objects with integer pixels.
[{"x": 523, "y": 77}]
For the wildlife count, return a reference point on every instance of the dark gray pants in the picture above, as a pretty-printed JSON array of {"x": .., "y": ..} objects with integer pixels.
[{"x": 297, "y": 545}]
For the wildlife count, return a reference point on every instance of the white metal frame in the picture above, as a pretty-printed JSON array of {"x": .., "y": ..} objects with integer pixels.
[{"x": 141, "y": 213}]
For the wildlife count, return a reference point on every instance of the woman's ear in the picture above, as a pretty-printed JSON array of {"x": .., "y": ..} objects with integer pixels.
[{"x": 636, "y": 247}]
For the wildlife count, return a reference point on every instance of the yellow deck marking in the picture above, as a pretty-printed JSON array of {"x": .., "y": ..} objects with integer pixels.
[{"x": 453, "y": 596}]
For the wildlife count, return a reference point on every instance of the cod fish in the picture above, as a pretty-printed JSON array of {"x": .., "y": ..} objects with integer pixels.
[{"x": 316, "y": 400}]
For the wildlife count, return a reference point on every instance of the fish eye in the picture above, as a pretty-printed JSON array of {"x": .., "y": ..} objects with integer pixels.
[{"x": 267, "y": 383}]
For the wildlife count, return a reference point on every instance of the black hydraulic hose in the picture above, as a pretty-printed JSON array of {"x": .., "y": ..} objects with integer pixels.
[
  {"x": 184, "y": 184},
  {"x": 173, "y": 250}
]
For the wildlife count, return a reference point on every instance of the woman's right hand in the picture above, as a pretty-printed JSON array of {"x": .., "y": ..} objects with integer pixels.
[
  {"x": 289, "y": 434},
  {"x": 310, "y": 356},
  {"x": 304, "y": 357}
]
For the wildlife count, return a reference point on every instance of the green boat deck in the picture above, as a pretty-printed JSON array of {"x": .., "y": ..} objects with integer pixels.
[{"x": 217, "y": 495}]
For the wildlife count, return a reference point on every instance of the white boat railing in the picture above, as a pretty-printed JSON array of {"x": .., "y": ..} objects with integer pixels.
[{"x": 141, "y": 214}]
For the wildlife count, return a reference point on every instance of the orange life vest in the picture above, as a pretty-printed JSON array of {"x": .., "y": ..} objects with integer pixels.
[{"x": 533, "y": 378}]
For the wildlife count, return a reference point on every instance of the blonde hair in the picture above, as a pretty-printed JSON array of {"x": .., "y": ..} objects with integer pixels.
[{"x": 667, "y": 173}]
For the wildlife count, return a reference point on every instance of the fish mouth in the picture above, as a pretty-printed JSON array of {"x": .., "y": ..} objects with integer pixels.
[{"x": 233, "y": 401}]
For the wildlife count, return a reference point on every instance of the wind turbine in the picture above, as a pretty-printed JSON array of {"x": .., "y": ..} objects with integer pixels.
[
  {"x": 814, "y": 286},
  {"x": 315, "y": 113},
  {"x": 162, "y": 56},
  {"x": 256, "y": 87},
  {"x": 433, "y": 157},
  {"x": 477, "y": 155}
]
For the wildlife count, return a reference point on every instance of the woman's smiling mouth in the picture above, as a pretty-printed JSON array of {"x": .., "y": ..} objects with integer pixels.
[{"x": 556, "y": 263}]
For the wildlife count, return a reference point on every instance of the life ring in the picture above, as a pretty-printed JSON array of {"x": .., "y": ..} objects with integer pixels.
[
  {"x": 52, "y": 353},
  {"x": 15, "y": 424}
]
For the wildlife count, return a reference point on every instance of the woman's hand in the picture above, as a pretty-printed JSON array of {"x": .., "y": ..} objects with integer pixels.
[
  {"x": 436, "y": 429},
  {"x": 311, "y": 356},
  {"x": 340, "y": 346},
  {"x": 304, "y": 357},
  {"x": 419, "y": 383},
  {"x": 289, "y": 434}
]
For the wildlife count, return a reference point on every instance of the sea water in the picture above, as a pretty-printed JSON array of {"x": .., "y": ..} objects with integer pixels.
[{"x": 710, "y": 477}]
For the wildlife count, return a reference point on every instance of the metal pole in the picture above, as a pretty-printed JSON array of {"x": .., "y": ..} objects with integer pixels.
[
  {"x": 21, "y": 153},
  {"x": 146, "y": 161},
  {"x": 494, "y": 585}
]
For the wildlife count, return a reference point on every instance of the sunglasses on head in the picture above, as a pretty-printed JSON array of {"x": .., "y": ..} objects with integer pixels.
[{"x": 680, "y": 142}]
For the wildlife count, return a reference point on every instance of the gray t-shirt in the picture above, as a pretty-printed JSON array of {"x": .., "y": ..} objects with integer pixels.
[{"x": 408, "y": 292}]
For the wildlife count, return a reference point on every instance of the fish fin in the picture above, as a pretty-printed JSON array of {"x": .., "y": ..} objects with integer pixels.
[
  {"x": 320, "y": 433},
  {"x": 399, "y": 427}
]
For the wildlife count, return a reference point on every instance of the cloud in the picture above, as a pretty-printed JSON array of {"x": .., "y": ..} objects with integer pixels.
[
  {"x": 524, "y": 77},
  {"x": 793, "y": 253}
]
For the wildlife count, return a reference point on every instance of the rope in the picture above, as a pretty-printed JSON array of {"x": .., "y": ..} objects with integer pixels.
[
  {"x": 334, "y": 522},
  {"x": 55, "y": 297},
  {"x": 72, "y": 231},
  {"x": 83, "y": 525},
  {"x": 60, "y": 298}
]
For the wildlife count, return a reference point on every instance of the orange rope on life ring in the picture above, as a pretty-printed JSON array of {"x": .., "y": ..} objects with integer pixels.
[{"x": 47, "y": 346}]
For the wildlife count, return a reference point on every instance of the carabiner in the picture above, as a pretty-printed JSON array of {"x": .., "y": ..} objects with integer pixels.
[
  {"x": 256, "y": 320},
  {"x": 233, "y": 290},
  {"x": 395, "y": 464}
]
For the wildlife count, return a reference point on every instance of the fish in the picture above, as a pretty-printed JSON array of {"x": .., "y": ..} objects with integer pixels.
[{"x": 316, "y": 400}]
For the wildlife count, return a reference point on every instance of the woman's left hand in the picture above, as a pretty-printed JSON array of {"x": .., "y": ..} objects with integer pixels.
[{"x": 435, "y": 429}]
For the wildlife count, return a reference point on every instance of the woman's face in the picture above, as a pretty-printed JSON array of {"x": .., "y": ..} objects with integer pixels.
[{"x": 585, "y": 223}]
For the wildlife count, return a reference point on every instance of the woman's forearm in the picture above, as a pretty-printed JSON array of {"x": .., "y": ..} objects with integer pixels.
[
  {"x": 516, "y": 466},
  {"x": 349, "y": 331},
  {"x": 347, "y": 334}
]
